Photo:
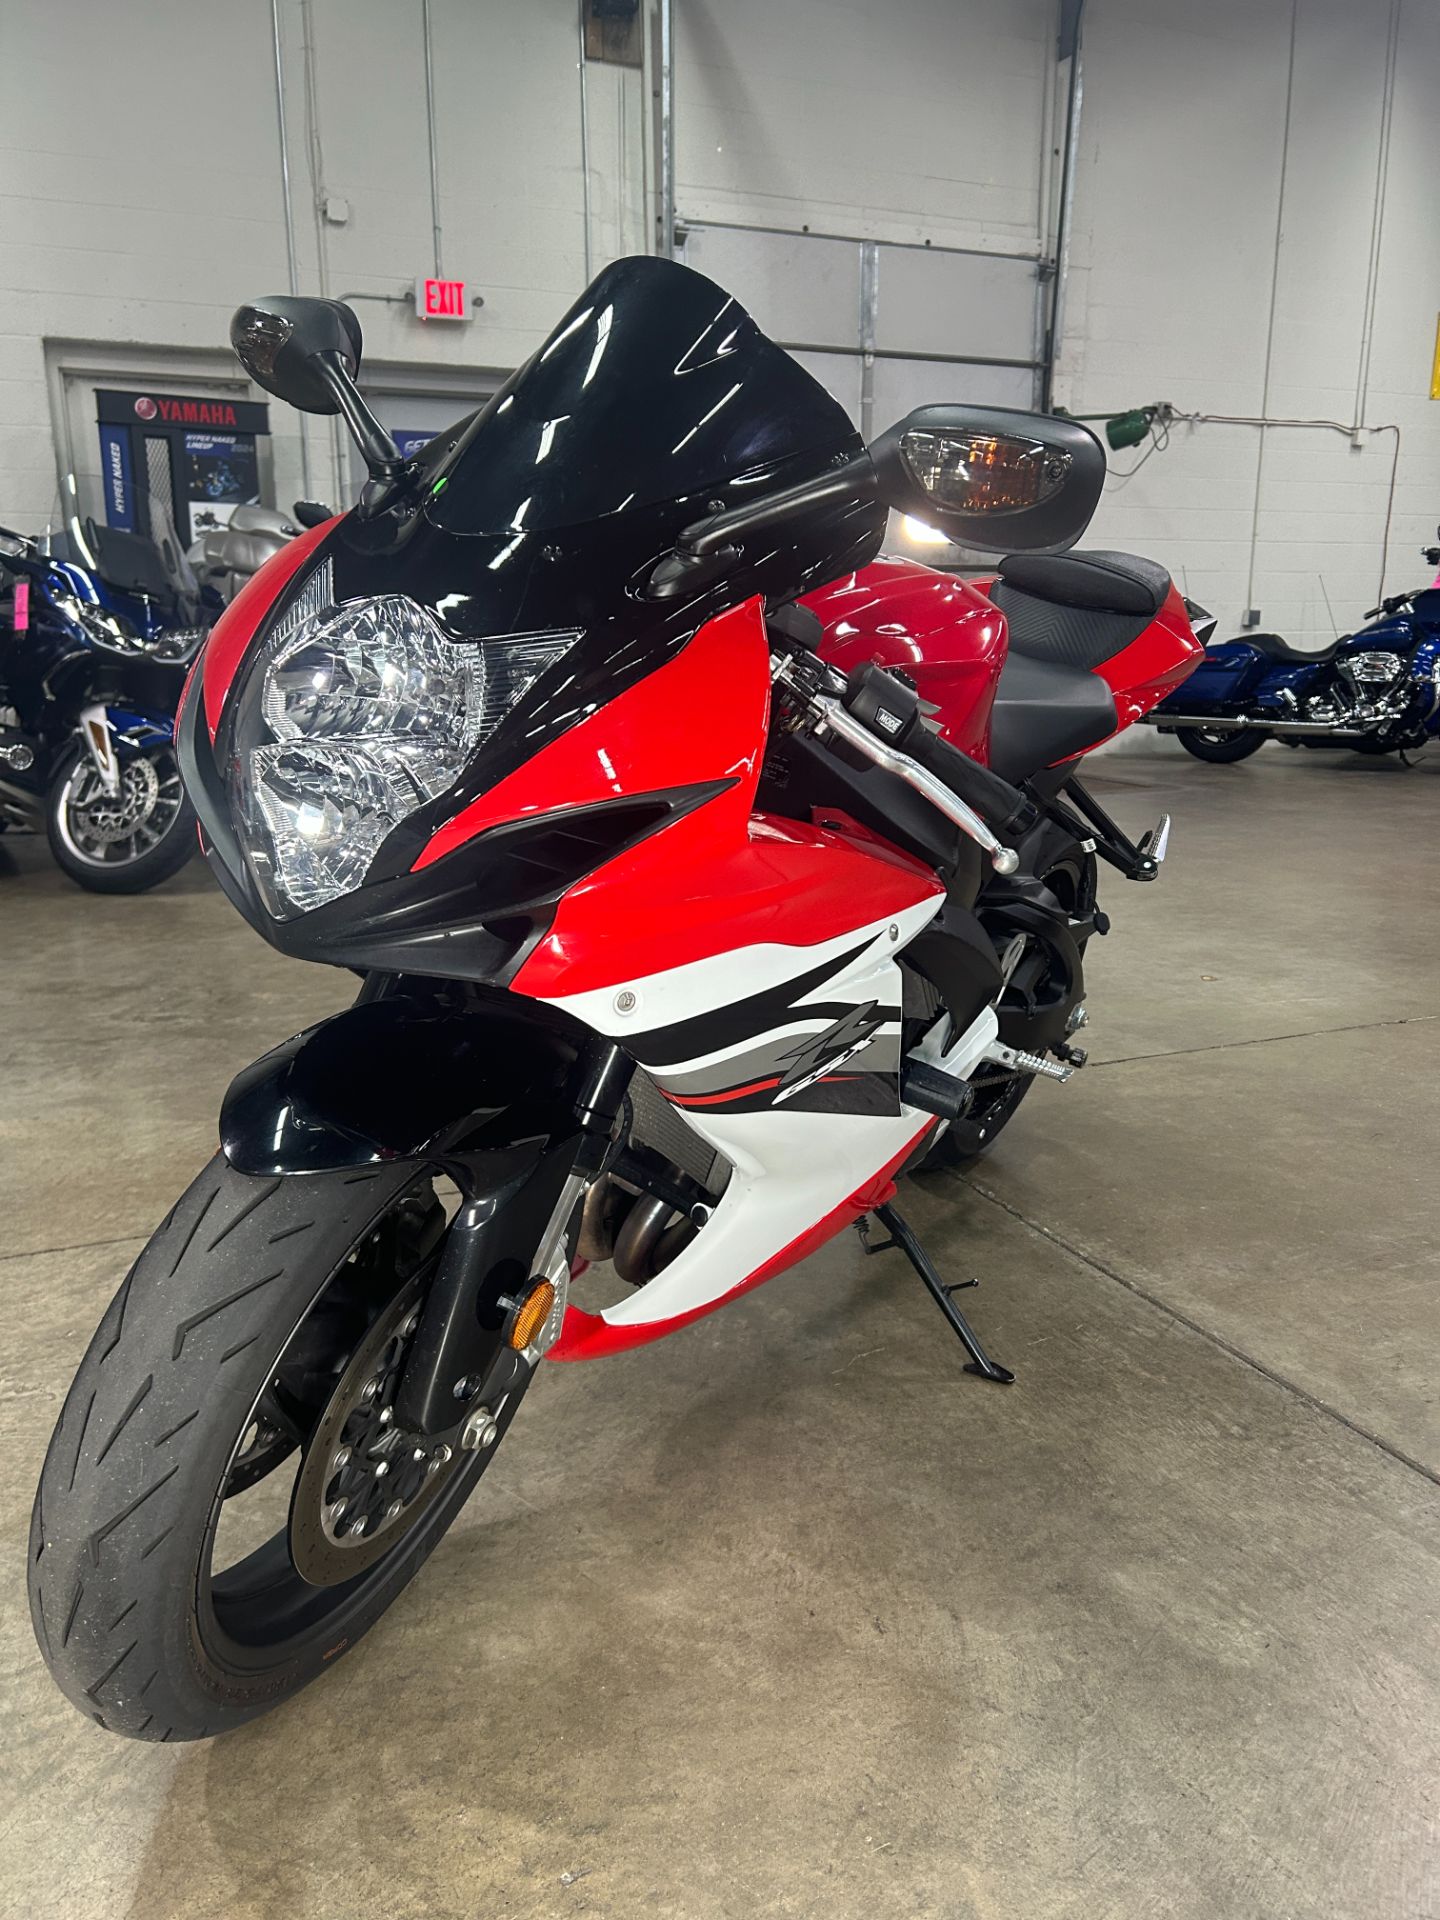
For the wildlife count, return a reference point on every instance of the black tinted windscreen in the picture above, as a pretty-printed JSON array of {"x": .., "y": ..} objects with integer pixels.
[{"x": 655, "y": 386}]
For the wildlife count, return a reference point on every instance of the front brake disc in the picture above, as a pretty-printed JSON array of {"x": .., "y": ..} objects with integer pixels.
[{"x": 364, "y": 1482}]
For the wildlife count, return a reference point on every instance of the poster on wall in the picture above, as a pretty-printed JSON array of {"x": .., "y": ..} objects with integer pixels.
[
  {"x": 222, "y": 472},
  {"x": 192, "y": 459}
]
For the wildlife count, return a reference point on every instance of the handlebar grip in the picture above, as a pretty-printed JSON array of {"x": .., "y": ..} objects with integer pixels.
[
  {"x": 890, "y": 710},
  {"x": 1003, "y": 807}
]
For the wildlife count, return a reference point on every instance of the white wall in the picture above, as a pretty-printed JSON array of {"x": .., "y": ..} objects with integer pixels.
[
  {"x": 141, "y": 196},
  {"x": 1174, "y": 264},
  {"x": 141, "y": 200}
]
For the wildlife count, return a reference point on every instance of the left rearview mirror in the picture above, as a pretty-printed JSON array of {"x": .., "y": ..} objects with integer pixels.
[
  {"x": 293, "y": 347},
  {"x": 992, "y": 477}
]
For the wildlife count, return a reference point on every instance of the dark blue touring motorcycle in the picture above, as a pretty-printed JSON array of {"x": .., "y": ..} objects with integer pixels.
[
  {"x": 92, "y": 661},
  {"x": 1375, "y": 691}
]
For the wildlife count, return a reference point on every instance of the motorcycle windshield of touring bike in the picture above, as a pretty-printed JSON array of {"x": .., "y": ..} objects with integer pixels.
[{"x": 538, "y": 741}]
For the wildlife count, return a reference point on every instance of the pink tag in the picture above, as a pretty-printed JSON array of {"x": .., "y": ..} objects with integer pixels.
[{"x": 22, "y": 606}]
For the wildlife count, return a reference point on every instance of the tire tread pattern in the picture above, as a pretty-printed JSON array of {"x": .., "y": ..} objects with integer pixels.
[{"x": 167, "y": 1351}]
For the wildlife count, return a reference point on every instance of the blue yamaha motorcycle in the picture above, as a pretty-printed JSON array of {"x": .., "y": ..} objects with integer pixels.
[
  {"x": 92, "y": 661},
  {"x": 1375, "y": 691}
]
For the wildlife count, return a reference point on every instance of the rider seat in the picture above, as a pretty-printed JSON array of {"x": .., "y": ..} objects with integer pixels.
[
  {"x": 1077, "y": 609},
  {"x": 1274, "y": 648}
]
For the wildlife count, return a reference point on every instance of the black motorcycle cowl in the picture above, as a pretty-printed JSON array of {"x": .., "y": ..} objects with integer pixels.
[
  {"x": 412, "y": 1075},
  {"x": 543, "y": 515}
]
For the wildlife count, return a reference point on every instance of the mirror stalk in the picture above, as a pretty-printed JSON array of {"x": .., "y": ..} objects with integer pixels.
[
  {"x": 854, "y": 481},
  {"x": 392, "y": 476},
  {"x": 377, "y": 449}
]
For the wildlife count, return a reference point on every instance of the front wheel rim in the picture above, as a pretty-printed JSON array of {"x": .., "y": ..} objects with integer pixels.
[
  {"x": 107, "y": 832},
  {"x": 260, "y": 1614}
]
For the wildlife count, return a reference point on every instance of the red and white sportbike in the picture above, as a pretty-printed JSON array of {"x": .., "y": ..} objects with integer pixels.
[{"x": 702, "y": 874}]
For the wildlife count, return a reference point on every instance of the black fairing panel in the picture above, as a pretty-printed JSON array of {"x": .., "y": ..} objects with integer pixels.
[
  {"x": 404, "y": 1077},
  {"x": 1045, "y": 712},
  {"x": 957, "y": 956},
  {"x": 803, "y": 778}
]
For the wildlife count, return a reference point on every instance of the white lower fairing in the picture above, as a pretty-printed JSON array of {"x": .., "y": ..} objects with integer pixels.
[
  {"x": 793, "y": 1166},
  {"x": 801, "y": 1167}
]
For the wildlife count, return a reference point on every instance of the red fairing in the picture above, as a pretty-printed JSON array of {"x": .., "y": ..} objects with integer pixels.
[
  {"x": 717, "y": 879},
  {"x": 945, "y": 635},
  {"x": 588, "y": 1336},
  {"x": 240, "y": 622},
  {"x": 1154, "y": 664}
]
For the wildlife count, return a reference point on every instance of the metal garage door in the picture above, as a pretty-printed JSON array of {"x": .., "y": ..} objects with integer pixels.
[{"x": 885, "y": 327}]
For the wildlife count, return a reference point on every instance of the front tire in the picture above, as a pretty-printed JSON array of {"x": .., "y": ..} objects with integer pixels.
[
  {"x": 1221, "y": 747},
  {"x": 126, "y": 844},
  {"x": 220, "y": 1358}
]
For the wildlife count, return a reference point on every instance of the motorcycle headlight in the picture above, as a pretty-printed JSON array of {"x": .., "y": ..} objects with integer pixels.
[
  {"x": 177, "y": 646},
  {"x": 112, "y": 631},
  {"x": 367, "y": 711}
]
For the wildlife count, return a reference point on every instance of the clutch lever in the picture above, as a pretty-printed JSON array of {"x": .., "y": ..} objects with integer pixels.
[{"x": 818, "y": 687}]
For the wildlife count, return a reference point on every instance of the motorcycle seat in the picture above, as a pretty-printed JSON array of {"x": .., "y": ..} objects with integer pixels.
[
  {"x": 1046, "y": 711},
  {"x": 1274, "y": 648},
  {"x": 1077, "y": 609}
]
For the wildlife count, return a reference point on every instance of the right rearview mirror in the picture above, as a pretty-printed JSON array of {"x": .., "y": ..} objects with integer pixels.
[
  {"x": 291, "y": 346},
  {"x": 992, "y": 477}
]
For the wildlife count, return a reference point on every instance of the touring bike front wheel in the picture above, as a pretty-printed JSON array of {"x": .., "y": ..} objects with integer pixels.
[{"x": 124, "y": 842}]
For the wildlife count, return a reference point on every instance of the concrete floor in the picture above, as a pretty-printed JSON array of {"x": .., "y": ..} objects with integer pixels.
[{"x": 789, "y": 1615}]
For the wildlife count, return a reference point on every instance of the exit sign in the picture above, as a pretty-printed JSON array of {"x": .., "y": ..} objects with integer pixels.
[{"x": 441, "y": 300}]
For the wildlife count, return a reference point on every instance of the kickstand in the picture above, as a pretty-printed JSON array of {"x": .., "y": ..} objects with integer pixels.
[{"x": 903, "y": 1237}]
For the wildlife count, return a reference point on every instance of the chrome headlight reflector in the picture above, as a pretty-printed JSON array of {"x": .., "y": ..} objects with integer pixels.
[{"x": 369, "y": 711}]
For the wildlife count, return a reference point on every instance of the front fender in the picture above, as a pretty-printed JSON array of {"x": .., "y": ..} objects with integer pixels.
[
  {"x": 412, "y": 1075},
  {"x": 135, "y": 730}
]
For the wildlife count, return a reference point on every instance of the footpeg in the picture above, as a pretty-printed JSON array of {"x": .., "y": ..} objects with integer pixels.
[
  {"x": 933, "y": 1090},
  {"x": 902, "y": 1238},
  {"x": 1019, "y": 1061},
  {"x": 1152, "y": 848}
]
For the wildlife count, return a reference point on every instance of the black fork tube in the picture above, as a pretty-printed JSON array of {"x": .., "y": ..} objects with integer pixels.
[{"x": 488, "y": 1256}]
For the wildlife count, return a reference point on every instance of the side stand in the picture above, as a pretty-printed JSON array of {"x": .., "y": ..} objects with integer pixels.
[{"x": 903, "y": 1237}]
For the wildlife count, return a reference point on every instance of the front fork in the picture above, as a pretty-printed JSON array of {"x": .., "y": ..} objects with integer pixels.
[
  {"x": 99, "y": 738},
  {"x": 103, "y": 730},
  {"x": 476, "y": 1335}
]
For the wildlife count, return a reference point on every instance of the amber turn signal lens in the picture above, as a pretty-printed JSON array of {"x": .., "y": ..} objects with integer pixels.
[{"x": 533, "y": 1312}]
